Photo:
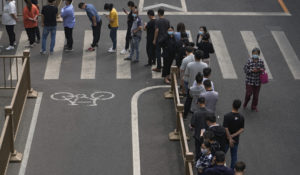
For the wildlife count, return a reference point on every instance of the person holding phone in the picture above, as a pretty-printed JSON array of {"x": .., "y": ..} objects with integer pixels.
[
  {"x": 113, "y": 25},
  {"x": 254, "y": 67},
  {"x": 130, "y": 20}
]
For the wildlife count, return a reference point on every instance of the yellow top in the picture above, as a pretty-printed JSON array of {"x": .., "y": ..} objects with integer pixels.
[{"x": 114, "y": 16}]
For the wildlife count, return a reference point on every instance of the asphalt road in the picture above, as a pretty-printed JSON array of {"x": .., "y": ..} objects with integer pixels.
[{"x": 82, "y": 139}]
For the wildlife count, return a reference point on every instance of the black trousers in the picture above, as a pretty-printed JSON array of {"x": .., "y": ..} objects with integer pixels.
[
  {"x": 187, "y": 104},
  {"x": 96, "y": 33},
  {"x": 11, "y": 34},
  {"x": 37, "y": 33},
  {"x": 31, "y": 35},
  {"x": 150, "y": 47},
  {"x": 69, "y": 37},
  {"x": 168, "y": 60},
  {"x": 198, "y": 144},
  {"x": 128, "y": 38}
]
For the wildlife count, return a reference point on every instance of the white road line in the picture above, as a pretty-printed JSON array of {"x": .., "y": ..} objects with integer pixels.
[
  {"x": 54, "y": 60},
  {"x": 162, "y": 5},
  {"x": 19, "y": 52},
  {"x": 222, "y": 55},
  {"x": 29, "y": 140},
  {"x": 190, "y": 35},
  {"x": 206, "y": 13},
  {"x": 183, "y": 5},
  {"x": 136, "y": 158},
  {"x": 88, "y": 69},
  {"x": 123, "y": 67},
  {"x": 251, "y": 42},
  {"x": 288, "y": 53},
  {"x": 141, "y": 5}
]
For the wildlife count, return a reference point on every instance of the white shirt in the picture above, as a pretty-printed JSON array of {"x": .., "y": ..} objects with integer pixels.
[
  {"x": 9, "y": 8},
  {"x": 212, "y": 84}
]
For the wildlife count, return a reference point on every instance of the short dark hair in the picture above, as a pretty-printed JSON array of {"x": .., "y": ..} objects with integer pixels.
[
  {"x": 150, "y": 13},
  {"x": 236, "y": 104},
  {"x": 199, "y": 77},
  {"x": 206, "y": 71},
  {"x": 207, "y": 83},
  {"x": 209, "y": 135},
  {"x": 211, "y": 118},
  {"x": 199, "y": 54},
  {"x": 201, "y": 100},
  {"x": 256, "y": 50},
  {"x": 220, "y": 156},
  {"x": 51, "y": 1},
  {"x": 240, "y": 166},
  {"x": 81, "y": 4},
  {"x": 108, "y": 6},
  {"x": 130, "y": 4},
  {"x": 161, "y": 12},
  {"x": 189, "y": 49},
  {"x": 207, "y": 145}
]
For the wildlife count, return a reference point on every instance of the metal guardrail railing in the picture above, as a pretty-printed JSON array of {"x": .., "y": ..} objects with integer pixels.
[
  {"x": 13, "y": 114},
  {"x": 179, "y": 134}
]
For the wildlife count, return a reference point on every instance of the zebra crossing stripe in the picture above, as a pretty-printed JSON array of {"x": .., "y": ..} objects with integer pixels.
[
  {"x": 288, "y": 53},
  {"x": 251, "y": 42},
  {"x": 123, "y": 67},
  {"x": 18, "y": 62},
  {"x": 88, "y": 68},
  {"x": 222, "y": 55},
  {"x": 54, "y": 60}
]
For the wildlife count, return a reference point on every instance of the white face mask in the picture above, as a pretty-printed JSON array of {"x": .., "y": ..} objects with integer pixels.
[{"x": 204, "y": 151}]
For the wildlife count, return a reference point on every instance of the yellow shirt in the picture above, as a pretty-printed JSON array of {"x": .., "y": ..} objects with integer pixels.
[{"x": 114, "y": 16}]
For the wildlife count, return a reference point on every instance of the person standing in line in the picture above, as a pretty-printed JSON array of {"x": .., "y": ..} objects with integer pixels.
[
  {"x": 210, "y": 96},
  {"x": 67, "y": 13},
  {"x": 150, "y": 47},
  {"x": 198, "y": 123},
  {"x": 130, "y": 20},
  {"x": 49, "y": 13},
  {"x": 202, "y": 31},
  {"x": 190, "y": 73},
  {"x": 206, "y": 75},
  {"x": 207, "y": 47},
  {"x": 180, "y": 31},
  {"x": 136, "y": 36},
  {"x": 219, "y": 167},
  {"x": 189, "y": 58},
  {"x": 37, "y": 29},
  {"x": 161, "y": 33},
  {"x": 254, "y": 67},
  {"x": 113, "y": 25},
  {"x": 30, "y": 14},
  {"x": 196, "y": 91},
  {"x": 96, "y": 23},
  {"x": 205, "y": 160},
  {"x": 169, "y": 54},
  {"x": 9, "y": 19},
  {"x": 234, "y": 126},
  {"x": 239, "y": 168},
  {"x": 210, "y": 137}
]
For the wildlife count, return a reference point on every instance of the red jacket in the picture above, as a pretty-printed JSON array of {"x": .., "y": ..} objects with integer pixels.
[{"x": 30, "y": 14}]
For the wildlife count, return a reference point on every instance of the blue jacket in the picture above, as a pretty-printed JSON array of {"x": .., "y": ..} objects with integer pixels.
[{"x": 67, "y": 13}]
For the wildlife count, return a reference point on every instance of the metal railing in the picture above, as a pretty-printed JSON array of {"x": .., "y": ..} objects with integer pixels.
[
  {"x": 13, "y": 114},
  {"x": 179, "y": 134}
]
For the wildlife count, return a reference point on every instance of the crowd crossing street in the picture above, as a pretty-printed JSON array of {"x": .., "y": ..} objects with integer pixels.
[{"x": 101, "y": 109}]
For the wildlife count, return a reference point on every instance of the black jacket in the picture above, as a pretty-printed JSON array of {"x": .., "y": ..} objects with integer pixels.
[
  {"x": 220, "y": 135},
  {"x": 206, "y": 47}
]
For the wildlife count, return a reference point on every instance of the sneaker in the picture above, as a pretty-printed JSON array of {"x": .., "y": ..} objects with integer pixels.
[
  {"x": 112, "y": 50},
  {"x": 69, "y": 50},
  {"x": 10, "y": 48},
  {"x": 91, "y": 49},
  {"x": 124, "y": 52},
  {"x": 43, "y": 53},
  {"x": 127, "y": 59}
]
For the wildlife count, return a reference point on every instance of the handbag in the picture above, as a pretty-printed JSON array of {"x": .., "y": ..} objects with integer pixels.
[{"x": 264, "y": 78}]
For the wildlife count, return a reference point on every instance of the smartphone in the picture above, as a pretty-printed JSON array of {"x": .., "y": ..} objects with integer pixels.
[{"x": 124, "y": 10}]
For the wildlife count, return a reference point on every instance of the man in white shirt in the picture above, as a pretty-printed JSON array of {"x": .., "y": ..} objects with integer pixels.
[{"x": 189, "y": 58}]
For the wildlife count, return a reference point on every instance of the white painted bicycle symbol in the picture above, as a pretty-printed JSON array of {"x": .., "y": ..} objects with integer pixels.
[{"x": 77, "y": 99}]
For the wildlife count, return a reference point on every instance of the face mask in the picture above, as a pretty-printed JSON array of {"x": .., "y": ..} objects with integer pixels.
[
  {"x": 255, "y": 56},
  {"x": 201, "y": 32},
  {"x": 204, "y": 151},
  {"x": 134, "y": 15},
  {"x": 170, "y": 32}
]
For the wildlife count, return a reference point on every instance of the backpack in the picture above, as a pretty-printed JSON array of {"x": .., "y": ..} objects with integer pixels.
[{"x": 220, "y": 136}]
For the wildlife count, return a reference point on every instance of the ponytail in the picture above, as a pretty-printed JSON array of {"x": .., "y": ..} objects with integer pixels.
[{"x": 29, "y": 4}]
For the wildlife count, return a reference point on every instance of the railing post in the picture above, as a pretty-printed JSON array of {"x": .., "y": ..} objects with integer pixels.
[
  {"x": 15, "y": 155},
  {"x": 26, "y": 56},
  {"x": 170, "y": 93},
  {"x": 174, "y": 135},
  {"x": 189, "y": 158}
]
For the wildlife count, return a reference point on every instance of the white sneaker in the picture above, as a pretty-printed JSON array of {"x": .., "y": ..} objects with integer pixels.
[
  {"x": 111, "y": 50},
  {"x": 124, "y": 52},
  {"x": 10, "y": 48}
]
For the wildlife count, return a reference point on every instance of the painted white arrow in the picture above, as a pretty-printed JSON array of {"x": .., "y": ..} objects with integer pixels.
[{"x": 163, "y": 5}]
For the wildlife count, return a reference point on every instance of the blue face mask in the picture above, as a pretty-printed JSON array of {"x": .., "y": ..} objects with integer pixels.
[
  {"x": 201, "y": 32},
  {"x": 134, "y": 15},
  {"x": 255, "y": 56},
  {"x": 170, "y": 32}
]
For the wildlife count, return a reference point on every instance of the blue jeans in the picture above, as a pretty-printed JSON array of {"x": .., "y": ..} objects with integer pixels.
[
  {"x": 46, "y": 31},
  {"x": 135, "y": 43},
  {"x": 113, "y": 36},
  {"x": 233, "y": 152}
]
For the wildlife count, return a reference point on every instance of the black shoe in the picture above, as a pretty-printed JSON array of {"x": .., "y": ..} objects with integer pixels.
[{"x": 127, "y": 59}]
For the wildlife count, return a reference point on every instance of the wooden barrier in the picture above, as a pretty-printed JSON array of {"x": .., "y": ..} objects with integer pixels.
[
  {"x": 179, "y": 134},
  {"x": 13, "y": 114}
]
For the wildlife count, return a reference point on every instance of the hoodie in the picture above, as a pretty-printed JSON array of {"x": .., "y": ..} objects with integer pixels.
[
  {"x": 219, "y": 170},
  {"x": 220, "y": 135}
]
